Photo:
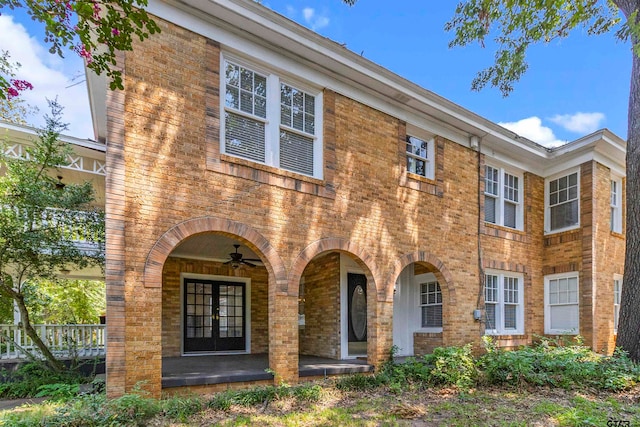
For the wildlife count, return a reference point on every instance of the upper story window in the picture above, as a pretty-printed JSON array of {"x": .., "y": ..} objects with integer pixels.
[
  {"x": 562, "y": 196},
  {"x": 503, "y": 296},
  {"x": 562, "y": 309},
  {"x": 617, "y": 293},
  {"x": 616, "y": 205},
  {"x": 502, "y": 198},
  {"x": 420, "y": 155},
  {"x": 431, "y": 306},
  {"x": 271, "y": 121}
]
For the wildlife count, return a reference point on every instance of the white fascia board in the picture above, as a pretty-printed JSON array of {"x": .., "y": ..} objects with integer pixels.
[
  {"x": 330, "y": 65},
  {"x": 97, "y": 90},
  {"x": 28, "y": 133}
]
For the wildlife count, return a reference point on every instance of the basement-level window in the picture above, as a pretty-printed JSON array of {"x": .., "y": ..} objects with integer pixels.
[
  {"x": 563, "y": 209},
  {"x": 504, "y": 300},
  {"x": 270, "y": 120},
  {"x": 562, "y": 309}
]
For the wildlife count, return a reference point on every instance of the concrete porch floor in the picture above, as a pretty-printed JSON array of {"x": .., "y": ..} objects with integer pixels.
[{"x": 215, "y": 369}]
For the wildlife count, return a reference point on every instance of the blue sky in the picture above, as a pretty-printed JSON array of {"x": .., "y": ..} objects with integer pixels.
[{"x": 573, "y": 86}]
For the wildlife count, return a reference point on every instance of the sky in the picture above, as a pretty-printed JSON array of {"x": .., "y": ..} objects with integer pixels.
[{"x": 573, "y": 86}]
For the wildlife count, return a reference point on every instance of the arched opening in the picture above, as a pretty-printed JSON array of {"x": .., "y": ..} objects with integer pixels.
[
  {"x": 218, "y": 279},
  {"x": 422, "y": 298}
]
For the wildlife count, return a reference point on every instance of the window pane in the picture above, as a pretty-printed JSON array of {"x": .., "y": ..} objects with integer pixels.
[
  {"x": 564, "y": 215},
  {"x": 510, "y": 312},
  {"x": 564, "y": 317},
  {"x": 296, "y": 152},
  {"x": 432, "y": 316},
  {"x": 490, "y": 316},
  {"x": 509, "y": 215},
  {"x": 416, "y": 166},
  {"x": 244, "y": 137},
  {"x": 490, "y": 209}
]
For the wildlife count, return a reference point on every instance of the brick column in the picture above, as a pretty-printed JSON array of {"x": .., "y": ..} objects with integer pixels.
[{"x": 283, "y": 336}]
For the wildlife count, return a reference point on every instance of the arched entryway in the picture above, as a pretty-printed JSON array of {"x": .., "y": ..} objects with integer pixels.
[{"x": 422, "y": 298}]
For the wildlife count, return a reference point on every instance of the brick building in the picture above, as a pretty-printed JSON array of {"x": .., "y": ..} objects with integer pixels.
[{"x": 369, "y": 212}]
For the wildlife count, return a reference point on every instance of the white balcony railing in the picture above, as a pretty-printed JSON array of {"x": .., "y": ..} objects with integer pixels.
[{"x": 64, "y": 341}]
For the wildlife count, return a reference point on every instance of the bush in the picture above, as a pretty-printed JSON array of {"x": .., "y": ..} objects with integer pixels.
[
  {"x": 452, "y": 366},
  {"x": 28, "y": 380},
  {"x": 548, "y": 364}
]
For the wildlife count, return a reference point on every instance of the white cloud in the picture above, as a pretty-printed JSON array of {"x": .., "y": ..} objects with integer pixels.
[
  {"x": 533, "y": 129},
  {"x": 50, "y": 76},
  {"x": 582, "y": 123},
  {"x": 313, "y": 20}
]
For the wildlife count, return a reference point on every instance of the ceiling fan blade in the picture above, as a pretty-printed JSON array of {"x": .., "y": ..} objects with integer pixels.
[
  {"x": 244, "y": 261},
  {"x": 252, "y": 259}
]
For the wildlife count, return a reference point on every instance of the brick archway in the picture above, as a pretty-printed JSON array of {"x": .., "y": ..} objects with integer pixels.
[
  {"x": 328, "y": 245},
  {"x": 442, "y": 273},
  {"x": 180, "y": 232}
]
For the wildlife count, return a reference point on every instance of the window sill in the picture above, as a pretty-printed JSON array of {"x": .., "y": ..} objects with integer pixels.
[
  {"x": 562, "y": 230},
  {"x": 506, "y": 336},
  {"x": 617, "y": 234},
  {"x": 420, "y": 183},
  {"x": 434, "y": 332},
  {"x": 243, "y": 168},
  {"x": 495, "y": 230}
]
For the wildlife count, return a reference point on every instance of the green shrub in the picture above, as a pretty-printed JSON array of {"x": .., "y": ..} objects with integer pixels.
[
  {"x": 452, "y": 366},
  {"x": 181, "y": 408},
  {"x": 358, "y": 382},
  {"x": 59, "y": 392},
  {"x": 548, "y": 364},
  {"x": 28, "y": 379}
]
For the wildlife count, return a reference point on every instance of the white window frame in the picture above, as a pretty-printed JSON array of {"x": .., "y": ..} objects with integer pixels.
[
  {"x": 501, "y": 198},
  {"x": 428, "y": 158},
  {"x": 547, "y": 306},
  {"x": 617, "y": 294},
  {"x": 547, "y": 210},
  {"x": 501, "y": 301},
  {"x": 616, "y": 204},
  {"x": 434, "y": 329},
  {"x": 272, "y": 120}
]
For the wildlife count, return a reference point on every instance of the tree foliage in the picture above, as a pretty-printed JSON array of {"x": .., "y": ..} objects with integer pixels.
[
  {"x": 40, "y": 222},
  {"x": 95, "y": 30},
  {"x": 12, "y": 107},
  {"x": 518, "y": 25}
]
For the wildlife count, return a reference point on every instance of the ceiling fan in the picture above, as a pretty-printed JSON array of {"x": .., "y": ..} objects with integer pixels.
[{"x": 237, "y": 260}]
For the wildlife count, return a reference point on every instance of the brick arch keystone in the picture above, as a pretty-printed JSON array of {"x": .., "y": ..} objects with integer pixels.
[
  {"x": 180, "y": 232},
  {"x": 426, "y": 257},
  {"x": 328, "y": 245}
]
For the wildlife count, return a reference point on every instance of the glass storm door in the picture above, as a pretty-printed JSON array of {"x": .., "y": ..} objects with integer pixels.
[
  {"x": 214, "y": 316},
  {"x": 357, "y": 313}
]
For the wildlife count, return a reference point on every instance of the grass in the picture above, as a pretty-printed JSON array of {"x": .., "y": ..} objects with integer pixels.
[
  {"x": 540, "y": 386},
  {"x": 484, "y": 406}
]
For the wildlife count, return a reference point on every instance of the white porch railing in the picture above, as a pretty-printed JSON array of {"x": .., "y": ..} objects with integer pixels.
[{"x": 64, "y": 341}]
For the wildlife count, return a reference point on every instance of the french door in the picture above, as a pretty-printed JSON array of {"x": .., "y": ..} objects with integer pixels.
[{"x": 214, "y": 315}]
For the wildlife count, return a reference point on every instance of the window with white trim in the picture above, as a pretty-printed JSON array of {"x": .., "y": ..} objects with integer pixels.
[
  {"x": 431, "y": 306},
  {"x": 616, "y": 205},
  {"x": 617, "y": 293},
  {"x": 502, "y": 197},
  {"x": 420, "y": 154},
  {"x": 504, "y": 300},
  {"x": 271, "y": 121},
  {"x": 563, "y": 209},
  {"x": 562, "y": 308}
]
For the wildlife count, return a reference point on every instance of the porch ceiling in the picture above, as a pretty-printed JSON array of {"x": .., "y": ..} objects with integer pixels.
[{"x": 211, "y": 247}]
